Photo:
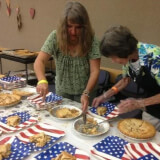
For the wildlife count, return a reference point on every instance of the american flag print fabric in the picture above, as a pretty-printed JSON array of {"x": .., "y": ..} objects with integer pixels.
[
  {"x": 110, "y": 148},
  {"x": 11, "y": 82},
  {"x": 18, "y": 149},
  {"x": 56, "y": 149},
  {"x": 141, "y": 151},
  {"x": 47, "y": 129},
  {"x": 112, "y": 111},
  {"x": 36, "y": 100},
  {"x": 26, "y": 120}
]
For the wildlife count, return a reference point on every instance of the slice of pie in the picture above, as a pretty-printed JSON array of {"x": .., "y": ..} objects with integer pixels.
[
  {"x": 136, "y": 128},
  {"x": 13, "y": 121},
  {"x": 40, "y": 139},
  {"x": 101, "y": 110},
  {"x": 67, "y": 113},
  {"x": 64, "y": 156},
  {"x": 5, "y": 150},
  {"x": 7, "y": 99},
  {"x": 21, "y": 92}
]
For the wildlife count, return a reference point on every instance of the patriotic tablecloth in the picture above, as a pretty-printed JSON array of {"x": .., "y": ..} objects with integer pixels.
[
  {"x": 56, "y": 149},
  {"x": 110, "y": 148},
  {"x": 112, "y": 111},
  {"x": 18, "y": 149},
  {"x": 11, "y": 82},
  {"x": 50, "y": 130},
  {"x": 142, "y": 151},
  {"x": 26, "y": 120},
  {"x": 51, "y": 98}
]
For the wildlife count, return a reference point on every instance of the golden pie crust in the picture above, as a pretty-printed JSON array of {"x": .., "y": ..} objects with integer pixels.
[
  {"x": 40, "y": 139},
  {"x": 66, "y": 113},
  {"x": 136, "y": 128},
  {"x": 13, "y": 121},
  {"x": 7, "y": 99},
  {"x": 5, "y": 150},
  {"x": 101, "y": 110},
  {"x": 64, "y": 156},
  {"x": 21, "y": 92}
]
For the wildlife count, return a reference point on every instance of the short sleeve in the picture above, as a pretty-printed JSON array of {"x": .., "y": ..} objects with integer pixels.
[
  {"x": 50, "y": 45},
  {"x": 95, "y": 51}
]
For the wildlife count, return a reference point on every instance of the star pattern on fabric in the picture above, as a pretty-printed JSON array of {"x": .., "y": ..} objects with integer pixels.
[{"x": 111, "y": 145}]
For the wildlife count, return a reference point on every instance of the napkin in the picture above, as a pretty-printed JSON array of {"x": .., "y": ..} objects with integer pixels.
[
  {"x": 36, "y": 100},
  {"x": 48, "y": 129},
  {"x": 18, "y": 149},
  {"x": 56, "y": 149},
  {"x": 141, "y": 151},
  {"x": 26, "y": 120},
  {"x": 112, "y": 111},
  {"x": 11, "y": 82},
  {"x": 110, "y": 148}
]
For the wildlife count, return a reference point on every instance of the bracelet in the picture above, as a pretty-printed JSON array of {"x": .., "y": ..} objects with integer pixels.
[
  {"x": 86, "y": 93},
  {"x": 42, "y": 81},
  {"x": 115, "y": 89}
]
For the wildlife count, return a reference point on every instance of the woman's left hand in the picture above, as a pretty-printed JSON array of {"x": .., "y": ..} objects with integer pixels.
[
  {"x": 84, "y": 102},
  {"x": 130, "y": 104}
]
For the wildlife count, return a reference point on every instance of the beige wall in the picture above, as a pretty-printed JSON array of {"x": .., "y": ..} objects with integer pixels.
[{"x": 141, "y": 16}]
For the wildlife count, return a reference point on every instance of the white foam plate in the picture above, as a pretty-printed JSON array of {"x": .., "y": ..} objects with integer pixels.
[
  {"x": 53, "y": 111},
  {"x": 103, "y": 127}
]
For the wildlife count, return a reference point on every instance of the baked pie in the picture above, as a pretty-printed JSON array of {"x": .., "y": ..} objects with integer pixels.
[
  {"x": 21, "y": 92},
  {"x": 13, "y": 121},
  {"x": 7, "y": 99},
  {"x": 136, "y": 128},
  {"x": 5, "y": 150},
  {"x": 66, "y": 113},
  {"x": 40, "y": 139},
  {"x": 101, "y": 110},
  {"x": 64, "y": 156}
]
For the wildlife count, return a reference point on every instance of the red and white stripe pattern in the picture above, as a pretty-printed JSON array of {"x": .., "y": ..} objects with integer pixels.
[
  {"x": 8, "y": 129},
  {"x": 139, "y": 150},
  {"x": 102, "y": 156},
  {"x": 113, "y": 114},
  {"x": 7, "y": 140},
  {"x": 81, "y": 155},
  {"x": 36, "y": 99},
  {"x": 11, "y": 82},
  {"x": 39, "y": 128}
]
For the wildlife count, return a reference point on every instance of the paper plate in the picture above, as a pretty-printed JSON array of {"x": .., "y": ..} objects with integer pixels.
[
  {"x": 53, "y": 112},
  {"x": 102, "y": 129},
  {"x": 112, "y": 111},
  {"x": 26, "y": 120},
  {"x": 56, "y": 149},
  {"x": 47, "y": 129},
  {"x": 111, "y": 147},
  {"x": 18, "y": 149},
  {"x": 37, "y": 100}
]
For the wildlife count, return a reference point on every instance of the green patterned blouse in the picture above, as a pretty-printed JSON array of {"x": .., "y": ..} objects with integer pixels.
[{"x": 72, "y": 73}]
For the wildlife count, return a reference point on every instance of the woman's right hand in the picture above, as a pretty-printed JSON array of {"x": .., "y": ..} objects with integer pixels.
[
  {"x": 42, "y": 89},
  {"x": 98, "y": 100}
]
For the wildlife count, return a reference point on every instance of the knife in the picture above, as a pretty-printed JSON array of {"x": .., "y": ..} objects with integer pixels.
[{"x": 84, "y": 117}]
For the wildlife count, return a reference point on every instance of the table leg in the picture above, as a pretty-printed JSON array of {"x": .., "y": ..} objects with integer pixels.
[
  {"x": 26, "y": 68},
  {"x": 1, "y": 66}
]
